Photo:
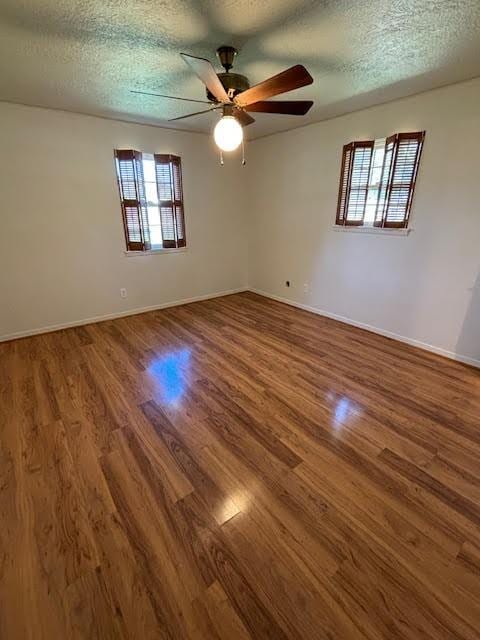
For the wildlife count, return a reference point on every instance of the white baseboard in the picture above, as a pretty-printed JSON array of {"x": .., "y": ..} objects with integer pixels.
[
  {"x": 361, "y": 325},
  {"x": 121, "y": 314}
]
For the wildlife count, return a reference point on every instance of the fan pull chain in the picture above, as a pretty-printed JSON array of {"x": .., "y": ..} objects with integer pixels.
[{"x": 244, "y": 162}]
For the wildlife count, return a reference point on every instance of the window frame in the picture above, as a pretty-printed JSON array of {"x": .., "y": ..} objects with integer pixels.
[
  {"x": 406, "y": 146},
  {"x": 132, "y": 181}
]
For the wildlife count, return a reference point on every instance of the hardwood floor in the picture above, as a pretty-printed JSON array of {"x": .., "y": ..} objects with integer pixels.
[{"x": 234, "y": 469}]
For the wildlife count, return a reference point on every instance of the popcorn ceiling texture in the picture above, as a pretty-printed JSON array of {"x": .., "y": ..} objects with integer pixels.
[{"x": 86, "y": 56}]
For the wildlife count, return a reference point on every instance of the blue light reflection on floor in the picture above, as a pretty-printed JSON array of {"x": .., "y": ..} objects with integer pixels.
[
  {"x": 345, "y": 411},
  {"x": 342, "y": 410},
  {"x": 170, "y": 372}
]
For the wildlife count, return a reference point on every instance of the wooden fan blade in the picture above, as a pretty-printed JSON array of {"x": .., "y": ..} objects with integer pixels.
[
  {"x": 289, "y": 107},
  {"x": 243, "y": 117},
  {"x": 292, "y": 78},
  {"x": 161, "y": 95},
  {"x": 204, "y": 70},
  {"x": 197, "y": 113}
]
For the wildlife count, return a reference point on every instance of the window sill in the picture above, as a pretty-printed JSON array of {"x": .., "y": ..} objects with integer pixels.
[
  {"x": 153, "y": 252},
  {"x": 375, "y": 230}
]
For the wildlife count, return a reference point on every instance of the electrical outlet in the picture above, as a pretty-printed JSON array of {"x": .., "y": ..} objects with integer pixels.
[
  {"x": 287, "y": 283},
  {"x": 123, "y": 293},
  {"x": 306, "y": 287}
]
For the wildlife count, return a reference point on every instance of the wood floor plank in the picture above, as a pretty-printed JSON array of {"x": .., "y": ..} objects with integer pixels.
[
  {"x": 300, "y": 603},
  {"x": 64, "y": 539},
  {"x": 91, "y": 612},
  {"x": 290, "y": 508},
  {"x": 233, "y": 469},
  {"x": 223, "y": 621},
  {"x": 125, "y": 580},
  {"x": 219, "y": 504},
  {"x": 145, "y": 533}
]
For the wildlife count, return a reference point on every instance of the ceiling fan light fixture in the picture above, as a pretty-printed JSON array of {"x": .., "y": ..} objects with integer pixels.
[
  {"x": 232, "y": 93},
  {"x": 228, "y": 133}
]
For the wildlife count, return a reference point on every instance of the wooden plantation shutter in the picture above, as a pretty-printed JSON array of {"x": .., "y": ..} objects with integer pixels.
[
  {"x": 178, "y": 191},
  {"x": 362, "y": 160},
  {"x": 168, "y": 172},
  {"x": 353, "y": 190},
  {"x": 385, "y": 179},
  {"x": 132, "y": 195},
  {"x": 344, "y": 183},
  {"x": 399, "y": 174}
]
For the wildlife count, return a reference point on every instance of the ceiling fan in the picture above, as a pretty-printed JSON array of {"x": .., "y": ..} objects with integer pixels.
[{"x": 231, "y": 92}]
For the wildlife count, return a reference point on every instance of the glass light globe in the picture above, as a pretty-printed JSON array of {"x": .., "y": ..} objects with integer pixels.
[{"x": 228, "y": 133}]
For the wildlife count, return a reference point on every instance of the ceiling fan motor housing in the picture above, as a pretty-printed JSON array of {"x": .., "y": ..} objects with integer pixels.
[{"x": 233, "y": 83}]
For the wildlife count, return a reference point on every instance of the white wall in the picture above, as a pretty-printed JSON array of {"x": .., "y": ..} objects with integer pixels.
[
  {"x": 61, "y": 235},
  {"x": 424, "y": 287}
]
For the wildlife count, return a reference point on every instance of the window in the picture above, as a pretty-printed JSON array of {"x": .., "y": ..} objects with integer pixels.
[
  {"x": 377, "y": 181},
  {"x": 151, "y": 195}
]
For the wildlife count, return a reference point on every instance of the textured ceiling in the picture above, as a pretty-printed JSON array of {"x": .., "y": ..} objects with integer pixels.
[{"x": 86, "y": 56}]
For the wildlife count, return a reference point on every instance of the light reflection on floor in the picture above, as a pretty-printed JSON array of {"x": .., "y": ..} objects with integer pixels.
[
  {"x": 237, "y": 502},
  {"x": 345, "y": 410},
  {"x": 170, "y": 372},
  {"x": 342, "y": 410}
]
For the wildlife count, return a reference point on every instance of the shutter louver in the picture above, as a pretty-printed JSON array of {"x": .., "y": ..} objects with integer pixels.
[
  {"x": 168, "y": 173},
  {"x": 132, "y": 196},
  {"x": 394, "y": 210},
  {"x": 356, "y": 162}
]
